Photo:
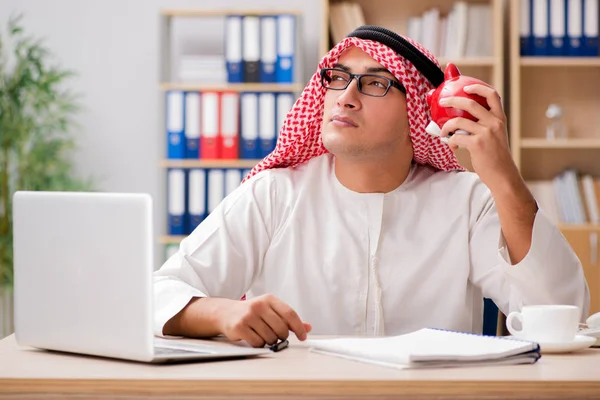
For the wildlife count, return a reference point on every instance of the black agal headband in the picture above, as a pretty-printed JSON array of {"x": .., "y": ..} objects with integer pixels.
[{"x": 402, "y": 47}]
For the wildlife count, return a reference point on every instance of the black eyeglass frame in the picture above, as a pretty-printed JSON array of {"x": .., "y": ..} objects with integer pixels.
[{"x": 391, "y": 82}]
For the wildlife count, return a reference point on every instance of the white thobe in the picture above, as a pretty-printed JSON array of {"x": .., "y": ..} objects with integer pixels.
[{"x": 422, "y": 255}]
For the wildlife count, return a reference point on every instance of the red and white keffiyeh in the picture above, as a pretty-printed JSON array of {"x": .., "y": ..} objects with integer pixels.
[{"x": 300, "y": 136}]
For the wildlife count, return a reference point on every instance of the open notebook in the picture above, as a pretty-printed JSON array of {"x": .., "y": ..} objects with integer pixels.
[{"x": 431, "y": 348}]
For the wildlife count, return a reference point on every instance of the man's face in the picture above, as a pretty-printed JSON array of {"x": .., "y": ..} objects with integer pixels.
[{"x": 361, "y": 127}]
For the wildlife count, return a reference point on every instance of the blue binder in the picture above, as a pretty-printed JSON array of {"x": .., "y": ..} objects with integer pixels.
[
  {"x": 192, "y": 125},
  {"x": 251, "y": 48},
  {"x": 233, "y": 48},
  {"x": 215, "y": 193},
  {"x": 196, "y": 196},
  {"x": 557, "y": 43},
  {"x": 541, "y": 24},
  {"x": 286, "y": 48},
  {"x": 233, "y": 178},
  {"x": 526, "y": 28},
  {"x": 590, "y": 28},
  {"x": 268, "y": 48},
  {"x": 575, "y": 28},
  {"x": 175, "y": 115},
  {"x": 176, "y": 204},
  {"x": 249, "y": 148},
  {"x": 267, "y": 117}
]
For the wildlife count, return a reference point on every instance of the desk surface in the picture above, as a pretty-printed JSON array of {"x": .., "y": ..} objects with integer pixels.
[{"x": 290, "y": 374}]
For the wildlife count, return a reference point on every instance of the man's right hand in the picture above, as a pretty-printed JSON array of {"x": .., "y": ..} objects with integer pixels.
[{"x": 262, "y": 320}]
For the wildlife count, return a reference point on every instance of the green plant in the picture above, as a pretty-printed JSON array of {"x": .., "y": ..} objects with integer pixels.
[{"x": 36, "y": 124}]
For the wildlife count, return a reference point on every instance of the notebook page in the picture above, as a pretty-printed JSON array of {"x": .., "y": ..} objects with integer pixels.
[
  {"x": 448, "y": 345},
  {"x": 424, "y": 345},
  {"x": 376, "y": 350}
]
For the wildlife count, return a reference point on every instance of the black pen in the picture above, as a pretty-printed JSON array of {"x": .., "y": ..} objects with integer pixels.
[{"x": 279, "y": 346}]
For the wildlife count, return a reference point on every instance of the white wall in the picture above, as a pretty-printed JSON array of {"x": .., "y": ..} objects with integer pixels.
[{"x": 113, "y": 46}]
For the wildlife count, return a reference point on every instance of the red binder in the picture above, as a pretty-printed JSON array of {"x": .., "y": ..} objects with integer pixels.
[{"x": 211, "y": 117}]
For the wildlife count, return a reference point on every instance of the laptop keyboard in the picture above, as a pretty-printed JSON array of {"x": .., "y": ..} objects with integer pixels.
[{"x": 164, "y": 351}]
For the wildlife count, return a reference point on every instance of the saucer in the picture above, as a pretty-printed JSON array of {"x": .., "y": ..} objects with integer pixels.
[{"x": 580, "y": 342}]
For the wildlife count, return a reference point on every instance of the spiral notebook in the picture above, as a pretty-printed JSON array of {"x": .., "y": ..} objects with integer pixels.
[{"x": 431, "y": 348}]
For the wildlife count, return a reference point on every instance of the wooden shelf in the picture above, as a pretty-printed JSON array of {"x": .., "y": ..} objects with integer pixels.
[
  {"x": 579, "y": 227},
  {"x": 536, "y": 82},
  {"x": 560, "y": 144},
  {"x": 560, "y": 61},
  {"x": 171, "y": 239},
  {"x": 221, "y": 13},
  {"x": 187, "y": 163},
  {"x": 234, "y": 87},
  {"x": 469, "y": 62}
]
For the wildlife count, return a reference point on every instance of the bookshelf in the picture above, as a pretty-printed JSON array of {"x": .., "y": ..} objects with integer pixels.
[
  {"x": 208, "y": 163},
  {"x": 559, "y": 61},
  {"x": 195, "y": 13},
  {"x": 172, "y": 82},
  {"x": 581, "y": 143},
  {"x": 395, "y": 15},
  {"x": 171, "y": 239},
  {"x": 571, "y": 82},
  {"x": 235, "y": 87}
]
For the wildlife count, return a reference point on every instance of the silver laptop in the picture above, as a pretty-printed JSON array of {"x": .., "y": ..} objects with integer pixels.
[{"x": 83, "y": 278}]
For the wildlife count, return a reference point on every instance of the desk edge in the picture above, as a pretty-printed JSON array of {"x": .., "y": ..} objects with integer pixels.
[{"x": 255, "y": 387}]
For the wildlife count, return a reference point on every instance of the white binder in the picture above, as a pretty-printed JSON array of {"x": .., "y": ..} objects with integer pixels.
[
  {"x": 285, "y": 102},
  {"x": 233, "y": 48},
  {"x": 267, "y": 122},
  {"x": 233, "y": 178},
  {"x": 176, "y": 201},
  {"x": 249, "y": 135},
  {"x": 192, "y": 124},
  {"x": 251, "y": 48},
  {"x": 268, "y": 48},
  {"x": 216, "y": 189},
  {"x": 196, "y": 198},
  {"x": 540, "y": 27},
  {"x": 574, "y": 27},
  {"x": 175, "y": 127}
]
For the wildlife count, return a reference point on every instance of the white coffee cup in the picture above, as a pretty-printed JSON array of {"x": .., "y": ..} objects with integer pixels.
[{"x": 545, "y": 323}]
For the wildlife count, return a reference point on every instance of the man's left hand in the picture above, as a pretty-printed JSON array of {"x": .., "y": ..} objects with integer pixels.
[{"x": 487, "y": 142}]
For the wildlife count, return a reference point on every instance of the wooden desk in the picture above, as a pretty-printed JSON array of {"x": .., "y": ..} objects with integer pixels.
[{"x": 294, "y": 373}]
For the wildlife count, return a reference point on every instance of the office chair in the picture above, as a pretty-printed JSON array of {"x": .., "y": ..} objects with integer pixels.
[{"x": 490, "y": 317}]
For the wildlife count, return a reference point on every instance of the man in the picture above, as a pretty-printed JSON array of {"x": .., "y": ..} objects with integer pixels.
[{"x": 360, "y": 223}]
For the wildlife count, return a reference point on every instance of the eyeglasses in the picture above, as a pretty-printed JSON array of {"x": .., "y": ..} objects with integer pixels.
[{"x": 369, "y": 84}]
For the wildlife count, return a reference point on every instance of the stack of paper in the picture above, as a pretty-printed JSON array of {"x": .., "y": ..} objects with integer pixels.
[
  {"x": 202, "y": 69},
  {"x": 431, "y": 348}
]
